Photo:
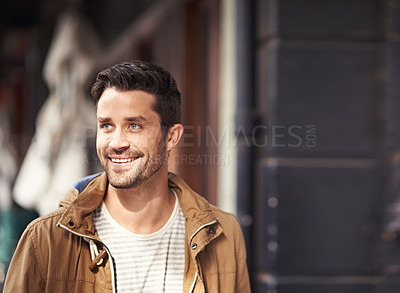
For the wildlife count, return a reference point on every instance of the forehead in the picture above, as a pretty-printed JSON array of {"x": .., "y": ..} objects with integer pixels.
[{"x": 126, "y": 103}]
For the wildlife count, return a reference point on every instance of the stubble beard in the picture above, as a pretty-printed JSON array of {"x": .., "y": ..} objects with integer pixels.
[{"x": 126, "y": 179}]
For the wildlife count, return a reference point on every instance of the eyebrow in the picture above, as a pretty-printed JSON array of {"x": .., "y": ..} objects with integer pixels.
[
  {"x": 139, "y": 118},
  {"x": 103, "y": 120}
]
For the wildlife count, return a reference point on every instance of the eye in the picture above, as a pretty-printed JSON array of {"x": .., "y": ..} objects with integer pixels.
[
  {"x": 134, "y": 126},
  {"x": 105, "y": 126}
]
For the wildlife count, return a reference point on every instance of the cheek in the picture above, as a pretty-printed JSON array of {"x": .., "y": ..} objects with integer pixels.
[
  {"x": 153, "y": 138},
  {"x": 136, "y": 139},
  {"x": 101, "y": 142}
]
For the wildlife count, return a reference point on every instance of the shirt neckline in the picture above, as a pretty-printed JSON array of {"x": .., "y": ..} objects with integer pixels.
[{"x": 104, "y": 211}]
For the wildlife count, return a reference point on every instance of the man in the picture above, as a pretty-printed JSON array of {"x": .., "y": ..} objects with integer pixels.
[{"x": 135, "y": 227}]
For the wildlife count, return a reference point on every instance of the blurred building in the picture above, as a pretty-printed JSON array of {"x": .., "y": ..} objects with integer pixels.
[{"x": 290, "y": 111}]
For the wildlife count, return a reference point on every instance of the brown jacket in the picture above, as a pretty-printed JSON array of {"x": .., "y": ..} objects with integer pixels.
[{"x": 54, "y": 253}]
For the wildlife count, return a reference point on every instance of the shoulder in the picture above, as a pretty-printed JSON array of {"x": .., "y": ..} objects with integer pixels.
[
  {"x": 49, "y": 221},
  {"x": 43, "y": 231},
  {"x": 45, "y": 222},
  {"x": 44, "y": 227},
  {"x": 33, "y": 245}
]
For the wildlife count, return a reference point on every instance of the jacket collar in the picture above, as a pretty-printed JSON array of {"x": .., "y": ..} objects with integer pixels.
[
  {"x": 201, "y": 221},
  {"x": 80, "y": 206},
  {"x": 196, "y": 209}
]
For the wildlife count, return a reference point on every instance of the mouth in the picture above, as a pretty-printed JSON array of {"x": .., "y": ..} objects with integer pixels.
[{"x": 123, "y": 161}]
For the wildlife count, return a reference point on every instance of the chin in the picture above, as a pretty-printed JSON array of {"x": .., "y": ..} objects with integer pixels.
[{"x": 123, "y": 183}]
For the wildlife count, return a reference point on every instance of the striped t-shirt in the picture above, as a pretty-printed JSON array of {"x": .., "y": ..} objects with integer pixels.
[{"x": 145, "y": 262}]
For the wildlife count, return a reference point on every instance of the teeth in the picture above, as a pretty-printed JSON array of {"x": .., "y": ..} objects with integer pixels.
[{"x": 121, "y": 160}]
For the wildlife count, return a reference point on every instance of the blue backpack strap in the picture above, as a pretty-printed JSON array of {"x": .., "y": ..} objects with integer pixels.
[{"x": 81, "y": 184}]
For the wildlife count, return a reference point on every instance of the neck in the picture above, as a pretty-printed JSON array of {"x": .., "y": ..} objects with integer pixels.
[{"x": 143, "y": 209}]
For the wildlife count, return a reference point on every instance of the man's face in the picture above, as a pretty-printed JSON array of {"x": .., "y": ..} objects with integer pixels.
[{"x": 129, "y": 139}]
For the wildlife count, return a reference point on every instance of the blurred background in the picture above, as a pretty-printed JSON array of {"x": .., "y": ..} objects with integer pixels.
[{"x": 290, "y": 111}]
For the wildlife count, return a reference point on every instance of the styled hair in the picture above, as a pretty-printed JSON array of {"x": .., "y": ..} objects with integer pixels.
[{"x": 147, "y": 77}]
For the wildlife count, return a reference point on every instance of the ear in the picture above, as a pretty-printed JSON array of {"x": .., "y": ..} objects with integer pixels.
[{"x": 173, "y": 136}]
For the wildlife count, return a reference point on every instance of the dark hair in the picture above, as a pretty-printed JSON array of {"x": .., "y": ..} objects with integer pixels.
[{"x": 150, "y": 78}]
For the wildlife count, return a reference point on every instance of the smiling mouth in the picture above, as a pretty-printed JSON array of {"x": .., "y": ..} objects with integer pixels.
[{"x": 123, "y": 160}]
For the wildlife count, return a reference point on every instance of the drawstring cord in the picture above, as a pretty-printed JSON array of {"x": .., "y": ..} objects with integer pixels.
[
  {"x": 94, "y": 252},
  {"x": 97, "y": 257}
]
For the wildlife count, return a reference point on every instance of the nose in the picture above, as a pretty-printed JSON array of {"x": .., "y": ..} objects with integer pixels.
[{"x": 118, "y": 141}]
